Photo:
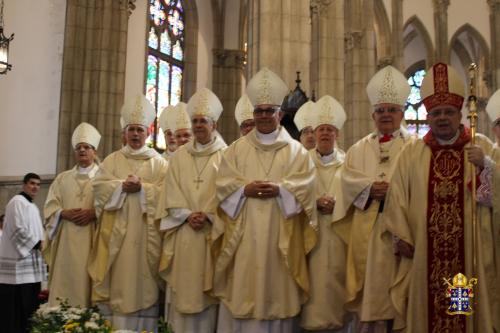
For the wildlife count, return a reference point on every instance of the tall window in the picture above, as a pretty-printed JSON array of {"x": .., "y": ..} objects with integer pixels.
[
  {"x": 415, "y": 112},
  {"x": 165, "y": 59}
]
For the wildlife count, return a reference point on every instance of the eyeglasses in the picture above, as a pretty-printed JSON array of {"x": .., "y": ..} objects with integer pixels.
[
  {"x": 496, "y": 122},
  {"x": 445, "y": 112},
  {"x": 84, "y": 147},
  {"x": 267, "y": 112}
]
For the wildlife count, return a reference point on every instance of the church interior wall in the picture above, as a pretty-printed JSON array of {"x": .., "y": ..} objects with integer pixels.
[
  {"x": 415, "y": 51},
  {"x": 205, "y": 44},
  {"x": 231, "y": 25},
  {"x": 30, "y": 93},
  {"x": 424, "y": 10},
  {"x": 478, "y": 17}
]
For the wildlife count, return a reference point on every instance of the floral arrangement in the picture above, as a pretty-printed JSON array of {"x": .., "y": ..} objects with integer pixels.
[{"x": 66, "y": 319}]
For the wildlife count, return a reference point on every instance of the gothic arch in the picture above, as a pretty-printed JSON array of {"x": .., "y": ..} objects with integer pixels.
[
  {"x": 191, "y": 48},
  {"x": 414, "y": 28},
  {"x": 382, "y": 29},
  {"x": 468, "y": 39}
]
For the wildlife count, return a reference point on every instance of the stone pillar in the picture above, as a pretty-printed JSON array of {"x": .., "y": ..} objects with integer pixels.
[
  {"x": 279, "y": 37},
  {"x": 493, "y": 76},
  {"x": 441, "y": 29},
  {"x": 359, "y": 68},
  {"x": 397, "y": 34},
  {"x": 228, "y": 71},
  {"x": 327, "y": 48},
  {"x": 93, "y": 75}
]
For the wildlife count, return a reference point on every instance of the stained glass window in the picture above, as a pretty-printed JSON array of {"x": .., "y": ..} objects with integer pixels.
[
  {"x": 415, "y": 113},
  {"x": 165, "y": 59}
]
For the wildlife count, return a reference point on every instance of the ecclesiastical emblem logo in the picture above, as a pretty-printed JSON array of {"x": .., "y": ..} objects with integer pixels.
[{"x": 460, "y": 293}]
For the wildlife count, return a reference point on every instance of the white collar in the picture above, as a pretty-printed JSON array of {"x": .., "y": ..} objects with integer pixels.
[
  {"x": 90, "y": 170},
  {"x": 199, "y": 147},
  {"x": 394, "y": 134},
  {"x": 325, "y": 159},
  {"x": 268, "y": 138},
  {"x": 450, "y": 141}
]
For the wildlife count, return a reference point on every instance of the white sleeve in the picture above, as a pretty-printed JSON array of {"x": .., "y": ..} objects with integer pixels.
[
  {"x": 362, "y": 198},
  {"x": 53, "y": 224},
  {"x": 288, "y": 204},
  {"x": 175, "y": 217},
  {"x": 117, "y": 199},
  {"x": 233, "y": 203}
]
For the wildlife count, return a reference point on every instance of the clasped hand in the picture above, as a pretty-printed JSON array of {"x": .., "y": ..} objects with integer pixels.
[
  {"x": 325, "y": 204},
  {"x": 79, "y": 216},
  {"x": 475, "y": 155},
  {"x": 261, "y": 189},
  {"x": 197, "y": 220},
  {"x": 132, "y": 184},
  {"x": 379, "y": 190}
]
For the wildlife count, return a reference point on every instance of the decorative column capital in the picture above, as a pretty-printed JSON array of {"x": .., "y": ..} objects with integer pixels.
[
  {"x": 441, "y": 5},
  {"x": 353, "y": 39},
  {"x": 130, "y": 5},
  {"x": 494, "y": 5},
  {"x": 385, "y": 61},
  {"x": 319, "y": 6},
  {"x": 230, "y": 58}
]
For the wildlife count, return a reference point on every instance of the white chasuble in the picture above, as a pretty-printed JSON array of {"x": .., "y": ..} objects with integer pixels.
[
  {"x": 124, "y": 261},
  {"x": 68, "y": 245},
  {"x": 261, "y": 271}
]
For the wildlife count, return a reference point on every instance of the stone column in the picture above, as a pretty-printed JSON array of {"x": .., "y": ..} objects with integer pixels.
[
  {"x": 397, "y": 34},
  {"x": 359, "y": 68},
  {"x": 327, "y": 48},
  {"x": 494, "y": 74},
  {"x": 279, "y": 37},
  {"x": 93, "y": 75},
  {"x": 441, "y": 29},
  {"x": 228, "y": 71}
]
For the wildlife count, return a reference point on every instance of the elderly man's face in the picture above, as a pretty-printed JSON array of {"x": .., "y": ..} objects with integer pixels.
[
  {"x": 444, "y": 121},
  {"x": 170, "y": 140},
  {"x": 136, "y": 135},
  {"x": 325, "y": 138},
  {"x": 84, "y": 154},
  {"x": 267, "y": 118},
  {"x": 203, "y": 128},
  {"x": 246, "y": 126},
  {"x": 183, "y": 136},
  {"x": 387, "y": 117}
]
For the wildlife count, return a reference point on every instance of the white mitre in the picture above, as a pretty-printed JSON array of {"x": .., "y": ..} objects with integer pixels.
[
  {"x": 493, "y": 106},
  {"x": 204, "y": 103},
  {"x": 138, "y": 111},
  {"x": 179, "y": 118},
  {"x": 122, "y": 123},
  {"x": 162, "y": 120},
  {"x": 266, "y": 87},
  {"x": 243, "y": 110},
  {"x": 388, "y": 85},
  {"x": 304, "y": 115},
  {"x": 330, "y": 112},
  {"x": 86, "y": 133}
]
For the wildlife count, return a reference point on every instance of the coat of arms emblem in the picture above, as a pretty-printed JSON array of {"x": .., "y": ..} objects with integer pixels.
[{"x": 460, "y": 293}]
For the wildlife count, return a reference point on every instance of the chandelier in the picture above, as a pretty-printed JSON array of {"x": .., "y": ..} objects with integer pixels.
[{"x": 4, "y": 46}]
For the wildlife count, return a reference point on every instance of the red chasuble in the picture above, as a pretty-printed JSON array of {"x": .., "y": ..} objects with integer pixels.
[{"x": 445, "y": 228}]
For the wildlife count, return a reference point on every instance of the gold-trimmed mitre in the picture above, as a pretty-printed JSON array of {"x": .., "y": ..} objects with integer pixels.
[
  {"x": 204, "y": 103},
  {"x": 162, "y": 120},
  {"x": 266, "y": 87},
  {"x": 493, "y": 106},
  {"x": 305, "y": 114},
  {"x": 138, "y": 111},
  {"x": 330, "y": 112},
  {"x": 442, "y": 85},
  {"x": 243, "y": 110},
  {"x": 388, "y": 85},
  {"x": 86, "y": 133},
  {"x": 179, "y": 118}
]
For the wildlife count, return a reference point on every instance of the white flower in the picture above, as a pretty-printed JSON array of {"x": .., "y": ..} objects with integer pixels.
[{"x": 91, "y": 324}]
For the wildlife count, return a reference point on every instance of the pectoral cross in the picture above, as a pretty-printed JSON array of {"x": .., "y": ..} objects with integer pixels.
[
  {"x": 198, "y": 181},
  {"x": 81, "y": 195},
  {"x": 382, "y": 175}
]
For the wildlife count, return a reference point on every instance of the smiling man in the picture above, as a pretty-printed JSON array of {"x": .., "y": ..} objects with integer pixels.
[
  {"x": 428, "y": 213},
  {"x": 368, "y": 168},
  {"x": 266, "y": 186},
  {"x": 124, "y": 260},
  {"x": 21, "y": 265},
  {"x": 190, "y": 208},
  {"x": 70, "y": 222}
]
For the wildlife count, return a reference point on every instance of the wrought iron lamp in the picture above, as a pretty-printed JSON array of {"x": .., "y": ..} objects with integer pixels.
[{"x": 4, "y": 46}]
